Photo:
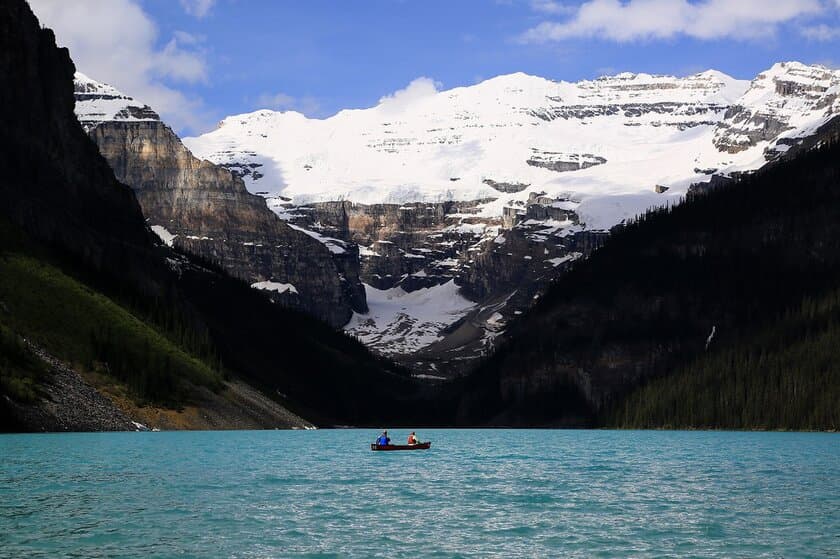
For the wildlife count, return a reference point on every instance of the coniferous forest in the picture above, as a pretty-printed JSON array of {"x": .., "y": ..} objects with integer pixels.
[
  {"x": 630, "y": 330},
  {"x": 784, "y": 376}
]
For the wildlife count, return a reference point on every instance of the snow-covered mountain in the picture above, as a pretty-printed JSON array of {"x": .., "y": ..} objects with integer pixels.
[
  {"x": 500, "y": 185},
  {"x": 604, "y": 143}
]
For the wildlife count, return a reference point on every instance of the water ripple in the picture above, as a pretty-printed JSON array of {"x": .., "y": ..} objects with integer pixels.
[{"x": 324, "y": 494}]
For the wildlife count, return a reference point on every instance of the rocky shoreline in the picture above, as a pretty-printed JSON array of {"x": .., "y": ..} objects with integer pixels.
[{"x": 67, "y": 403}]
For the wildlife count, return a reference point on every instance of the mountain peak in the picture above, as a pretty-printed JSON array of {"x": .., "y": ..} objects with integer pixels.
[
  {"x": 98, "y": 102},
  {"x": 797, "y": 70},
  {"x": 711, "y": 73},
  {"x": 515, "y": 78}
]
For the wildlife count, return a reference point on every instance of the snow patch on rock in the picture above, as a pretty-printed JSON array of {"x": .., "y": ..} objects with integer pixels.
[
  {"x": 164, "y": 235},
  {"x": 400, "y": 322},
  {"x": 275, "y": 286}
]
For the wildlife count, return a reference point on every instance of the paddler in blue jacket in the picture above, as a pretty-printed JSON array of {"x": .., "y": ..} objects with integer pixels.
[{"x": 383, "y": 439}]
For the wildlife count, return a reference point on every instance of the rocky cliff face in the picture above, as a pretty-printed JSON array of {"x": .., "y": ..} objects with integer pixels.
[
  {"x": 413, "y": 245},
  {"x": 413, "y": 254},
  {"x": 204, "y": 209}
]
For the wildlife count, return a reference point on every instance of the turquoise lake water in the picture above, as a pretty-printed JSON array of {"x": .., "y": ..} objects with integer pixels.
[{"x": 476, "y": 493}]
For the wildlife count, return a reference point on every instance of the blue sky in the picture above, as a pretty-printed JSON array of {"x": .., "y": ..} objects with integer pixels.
[{"x": 197, "y": 61}]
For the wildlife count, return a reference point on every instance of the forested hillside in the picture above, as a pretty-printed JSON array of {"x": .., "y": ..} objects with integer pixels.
[
  {"x": 782, "y": 376},
  {"x": 744, "y": 276},
  {"x": 155, "y": 357}
]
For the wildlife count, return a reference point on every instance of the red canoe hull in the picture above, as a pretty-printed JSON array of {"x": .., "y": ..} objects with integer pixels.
[{"x": 419, "y": 446}]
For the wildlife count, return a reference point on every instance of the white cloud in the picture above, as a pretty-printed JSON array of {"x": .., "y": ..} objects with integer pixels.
[
  {"x": 821, "y": 32},
  {"x": 631, "y": 20},
  {"x": 197, "y": 8},
  {"x": 179, "y": 64},
  {"x": 284, "y": 102},
  {"x": 275, "y": 101},
  {"x": 419, "y": 88},
  {"x": 114, "y": 41},
  {"x": 188, "y": 38},
  {"x": 555, "y": 8}
]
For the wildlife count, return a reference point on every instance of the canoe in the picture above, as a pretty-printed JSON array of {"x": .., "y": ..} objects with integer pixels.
[{"x": 418, "y": 446}]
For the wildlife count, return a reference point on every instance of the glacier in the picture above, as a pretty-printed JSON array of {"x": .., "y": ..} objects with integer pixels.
[{"x": 647, "y": 130}]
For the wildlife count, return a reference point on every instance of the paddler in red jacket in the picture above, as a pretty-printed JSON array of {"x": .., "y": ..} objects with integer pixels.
[{"x": 412, "y": 439}]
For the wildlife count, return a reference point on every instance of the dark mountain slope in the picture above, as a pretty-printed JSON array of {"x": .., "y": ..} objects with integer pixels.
[
  {"x": 57, "y": 189},
  {"x": 732, "y": 261},
  {"x": 63, "y": 321},
  {"x": 52, "y": 180},
  {"x": 784, "y": 375}
]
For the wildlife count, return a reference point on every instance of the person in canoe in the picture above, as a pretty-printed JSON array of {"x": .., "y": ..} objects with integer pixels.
[
  {"x": 383, "y": 439},
  {"x": 412, "y": 438}
]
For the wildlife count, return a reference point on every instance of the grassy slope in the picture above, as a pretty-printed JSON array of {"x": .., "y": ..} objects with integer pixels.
[
  {"x": 20, "y": 370},
  {"x": 89, "y": 330}
]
